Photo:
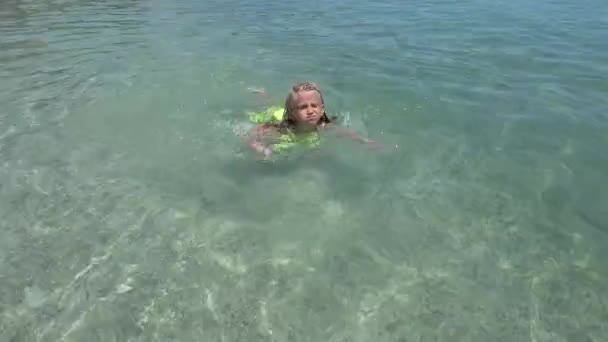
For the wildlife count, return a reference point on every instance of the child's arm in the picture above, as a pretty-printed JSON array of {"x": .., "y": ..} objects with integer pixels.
[
  {"x": 255, "y": 141},
  {"x": 351, "y": 134}
]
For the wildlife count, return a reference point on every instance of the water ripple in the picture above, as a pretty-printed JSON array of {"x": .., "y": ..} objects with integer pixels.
[{"x": 129, "y": 209}]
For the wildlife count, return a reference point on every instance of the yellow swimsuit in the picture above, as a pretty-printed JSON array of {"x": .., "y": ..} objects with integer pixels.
[{"x": 287, "y": 140}]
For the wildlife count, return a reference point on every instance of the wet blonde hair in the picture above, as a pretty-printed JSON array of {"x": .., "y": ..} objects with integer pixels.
[{"x": 291, "y": 97}]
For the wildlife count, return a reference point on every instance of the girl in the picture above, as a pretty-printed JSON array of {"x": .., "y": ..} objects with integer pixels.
[{"x": 299, "y": 122}]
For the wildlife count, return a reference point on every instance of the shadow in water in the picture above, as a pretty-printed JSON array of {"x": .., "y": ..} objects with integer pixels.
[
  {"x": 343, "y": 179},
  {"x": 251, "y": 190}
]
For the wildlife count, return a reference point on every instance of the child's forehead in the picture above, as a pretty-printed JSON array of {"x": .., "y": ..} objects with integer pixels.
[{"x": 307, "y": 95}]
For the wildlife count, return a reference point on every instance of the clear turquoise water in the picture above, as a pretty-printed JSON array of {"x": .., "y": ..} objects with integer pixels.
[{"x": 131, "y": 211}]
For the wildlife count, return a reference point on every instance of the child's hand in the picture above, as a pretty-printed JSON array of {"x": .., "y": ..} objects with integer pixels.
[
  {"x": 262, "y": 97},
  {"x": 263, "y": 152},
  {"x": 372, "y": 145},
  {"x": 260, "y": 91},
  {"x": 267, "y": 153},
  {"x": 375, "y": 146}
]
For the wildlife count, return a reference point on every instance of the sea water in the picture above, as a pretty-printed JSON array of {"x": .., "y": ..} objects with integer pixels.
[{"x": 132, "y": 210}]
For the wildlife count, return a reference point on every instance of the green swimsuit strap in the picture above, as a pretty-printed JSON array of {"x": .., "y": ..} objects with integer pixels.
[{"x": 270, "y": 115}]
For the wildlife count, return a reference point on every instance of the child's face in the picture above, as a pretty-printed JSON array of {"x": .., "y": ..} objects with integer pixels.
[{"x": 308, "y": 108}]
